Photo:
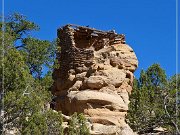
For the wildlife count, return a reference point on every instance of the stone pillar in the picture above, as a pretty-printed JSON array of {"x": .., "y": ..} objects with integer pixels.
[{"x": 95, "y": 78}]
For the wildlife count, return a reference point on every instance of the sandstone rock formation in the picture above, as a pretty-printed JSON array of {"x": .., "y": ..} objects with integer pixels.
[{"x": 95, "y": 78}]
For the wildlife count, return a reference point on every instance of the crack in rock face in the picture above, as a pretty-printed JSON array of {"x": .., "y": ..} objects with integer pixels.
[{"x": 95, "y": 77}]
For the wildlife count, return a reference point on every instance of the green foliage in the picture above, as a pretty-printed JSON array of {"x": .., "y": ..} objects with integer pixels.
[
  {"x": 16, "y": 73},
  {"x": 72, "y": 130},
  {"x": 35, "y": 125},
  {"x": 77, "y": 125},
  {"x": 54, "y": 122},
  {"x": 172, "y": 104},
  {"x": 18, "y": 26},
  {"x": 44, "y": 123},
  {"x": 152, "y": 102},
  {"x": 37, "y": 53},
  {"x": 26, "y": 97}
]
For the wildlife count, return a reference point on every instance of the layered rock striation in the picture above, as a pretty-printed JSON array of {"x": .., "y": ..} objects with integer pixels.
[{"x": 95, "y": 78}]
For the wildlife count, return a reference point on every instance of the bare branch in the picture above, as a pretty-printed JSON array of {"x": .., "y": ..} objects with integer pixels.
[{"x": 173, "y": 122}]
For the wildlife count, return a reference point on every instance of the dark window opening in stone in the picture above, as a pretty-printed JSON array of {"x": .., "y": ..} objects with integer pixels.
[
  {"x": 82, "y": 40},
  {"x": 90, "y": 38},
  {"x": 85, "y": 39}
]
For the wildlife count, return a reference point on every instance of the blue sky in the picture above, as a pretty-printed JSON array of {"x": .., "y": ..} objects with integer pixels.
[{"x": 149, "y": 25}]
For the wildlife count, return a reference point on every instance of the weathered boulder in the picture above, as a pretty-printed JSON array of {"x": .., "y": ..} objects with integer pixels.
[
  {"x": 95, "y": 82},
  {"x": 95, "y": 78}
]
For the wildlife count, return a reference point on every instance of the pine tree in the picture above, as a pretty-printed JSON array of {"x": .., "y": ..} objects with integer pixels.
[
  {"x": 25, "y": 93},
  {"x": 153, "y": 102},
  {"x": 77, "y": 125}
]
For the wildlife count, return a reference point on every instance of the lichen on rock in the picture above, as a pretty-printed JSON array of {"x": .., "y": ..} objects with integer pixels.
[{"x": 95, "y": 77}]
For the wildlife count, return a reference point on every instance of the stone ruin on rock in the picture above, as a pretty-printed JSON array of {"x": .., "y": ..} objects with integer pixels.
[{"x": 95, "y": 78}]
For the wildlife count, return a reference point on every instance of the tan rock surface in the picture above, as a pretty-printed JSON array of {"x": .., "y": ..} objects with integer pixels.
[{"x": 95, "y": 78}]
